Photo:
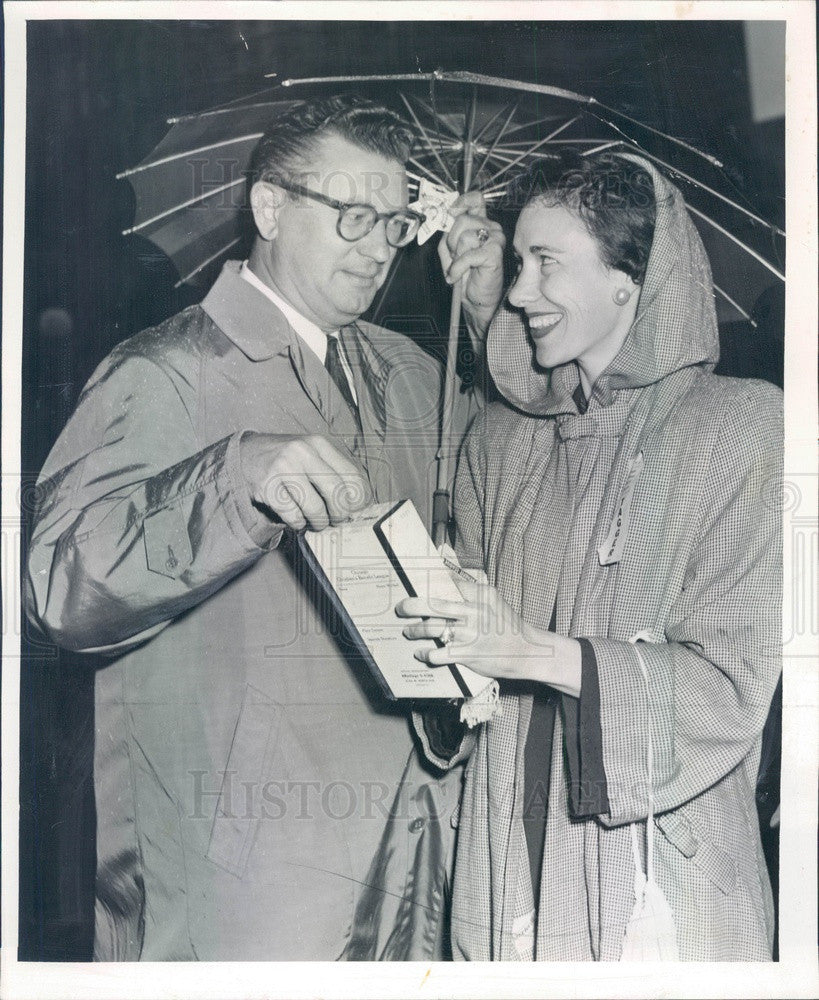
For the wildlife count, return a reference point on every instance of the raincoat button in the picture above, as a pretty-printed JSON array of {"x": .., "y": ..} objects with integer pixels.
[
  {"x": 417, "y": 825},
  {"x": 453, "y": 820}
]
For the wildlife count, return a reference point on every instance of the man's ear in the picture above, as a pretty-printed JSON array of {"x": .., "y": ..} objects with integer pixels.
[{"x": 266, "y": 200}]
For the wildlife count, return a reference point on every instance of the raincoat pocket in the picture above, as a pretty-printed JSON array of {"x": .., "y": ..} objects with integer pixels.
[
  {"x": 716, "y": 864},
  {"x": 251, "y": 752}
]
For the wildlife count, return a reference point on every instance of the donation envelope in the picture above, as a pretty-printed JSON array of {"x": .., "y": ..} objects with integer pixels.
[{"x": 366, "y": 566}]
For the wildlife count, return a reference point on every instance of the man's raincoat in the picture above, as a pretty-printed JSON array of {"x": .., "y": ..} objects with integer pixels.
[{"x": 245, "y": 761}]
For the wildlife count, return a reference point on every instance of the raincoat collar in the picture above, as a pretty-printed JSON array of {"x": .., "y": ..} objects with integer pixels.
[
  {"x": 675, "y": 326},
  {"x": 246, "y": 316}
]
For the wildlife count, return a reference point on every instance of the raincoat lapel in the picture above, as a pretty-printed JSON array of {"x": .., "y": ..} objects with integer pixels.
[
  {"x": 325, "y": 396},
  {"x": 370, "y": 377}
]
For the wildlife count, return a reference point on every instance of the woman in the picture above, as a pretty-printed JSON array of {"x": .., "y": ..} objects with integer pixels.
[{"x": 624, "y": 504}]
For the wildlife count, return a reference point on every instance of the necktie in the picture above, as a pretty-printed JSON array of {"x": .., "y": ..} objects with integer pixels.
[{"x": 335, "y": 369}]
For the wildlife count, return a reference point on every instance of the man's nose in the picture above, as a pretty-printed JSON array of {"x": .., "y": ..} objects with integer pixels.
[{"x": 374, "y": 245}]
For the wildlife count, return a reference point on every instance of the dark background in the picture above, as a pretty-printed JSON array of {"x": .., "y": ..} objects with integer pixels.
[{"x": 98, "y": 96}]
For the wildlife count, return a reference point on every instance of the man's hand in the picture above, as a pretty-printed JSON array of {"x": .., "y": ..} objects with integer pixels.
[
  {"x": 303, "y": 480},
  {"x": 462, "y": 251}
]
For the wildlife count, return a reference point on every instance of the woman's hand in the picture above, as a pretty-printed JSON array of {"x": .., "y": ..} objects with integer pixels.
[
  {"x": 474, "y": 246},
  {"x": 485, "y": 634}
]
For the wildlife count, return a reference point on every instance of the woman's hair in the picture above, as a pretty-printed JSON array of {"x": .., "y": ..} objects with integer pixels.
[{"x": 613, "y": 196}]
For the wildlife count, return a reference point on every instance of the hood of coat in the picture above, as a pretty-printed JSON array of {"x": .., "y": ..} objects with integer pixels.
[{"x": 675, "y": 326}]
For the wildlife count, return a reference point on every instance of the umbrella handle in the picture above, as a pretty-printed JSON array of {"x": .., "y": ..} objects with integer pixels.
[{"x": 440, "y": 507}]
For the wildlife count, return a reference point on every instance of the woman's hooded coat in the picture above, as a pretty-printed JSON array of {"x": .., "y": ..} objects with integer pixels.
[{"x": 653, "y": 515}]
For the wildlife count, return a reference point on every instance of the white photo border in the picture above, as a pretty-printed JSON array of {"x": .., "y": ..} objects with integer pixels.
[{"x": 795, "y": 975}]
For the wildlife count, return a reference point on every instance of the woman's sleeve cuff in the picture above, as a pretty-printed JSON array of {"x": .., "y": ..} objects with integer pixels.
[{"x": 588, "y": 790}]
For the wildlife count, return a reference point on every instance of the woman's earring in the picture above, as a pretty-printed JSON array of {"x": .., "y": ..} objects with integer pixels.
[{"x": 621, "y": 296}]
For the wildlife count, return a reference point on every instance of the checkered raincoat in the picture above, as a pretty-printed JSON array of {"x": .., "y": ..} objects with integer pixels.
[{"x": 653, "y": 514}]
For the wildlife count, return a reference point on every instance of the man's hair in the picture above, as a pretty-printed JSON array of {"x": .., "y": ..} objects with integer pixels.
[
  {"x": 291, "y": 139},
  {"x": 613, "y": 196}
]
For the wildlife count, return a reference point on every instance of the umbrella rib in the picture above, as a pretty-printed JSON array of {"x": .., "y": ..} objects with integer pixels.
[
  {"x": 451, "y": 146},
  {"x": 210, "y": 260},
  {"x": 626, "y": 138},
  {"x": 454, "y": 77},
  {"x": 664, "y": 135},
  {"x": 736, "y": 305},
  {"x": 493, "y": 119},
  {"x": 514, "y": 147},
  {"x": 605, "y": 145},
  {"x": 500, "y": 156},
  {"x": 716, "y": 194},
  {"x": 447, "y": 141},
  {"x": 188, "y": 152},
  {"x": 438, "y": 119},
  {"x": 429, "y": 141},
  {"x": 228, "y": 110},
  {"x": 538, "y": 121},
  {"x": 389, "y": 77},
  {"x": 537, "y": 145},
  {"x": 736, "y": 240},
  {"x": 184, "y": 204},
  {"x": 506, "y": 157},
  {"x": 440, "y": 136},
  {"x": 428, "y": 172},
  {"x": 496, "y": 140}
]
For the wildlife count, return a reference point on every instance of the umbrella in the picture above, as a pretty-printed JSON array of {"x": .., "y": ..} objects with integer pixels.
[{"x": 474, "y": 132}]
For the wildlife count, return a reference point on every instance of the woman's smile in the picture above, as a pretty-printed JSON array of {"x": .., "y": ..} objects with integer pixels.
[{"x": 541, "y": 323}]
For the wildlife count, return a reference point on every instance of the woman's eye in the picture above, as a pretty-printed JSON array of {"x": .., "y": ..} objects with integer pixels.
[{"x": 546, "y": 260}]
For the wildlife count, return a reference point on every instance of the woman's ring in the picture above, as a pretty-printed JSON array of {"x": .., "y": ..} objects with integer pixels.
[
  {"x": 483, "y": 236},
  {"x": 447, "y": 635}
]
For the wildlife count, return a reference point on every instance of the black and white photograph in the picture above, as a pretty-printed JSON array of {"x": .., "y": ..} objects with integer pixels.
[{"x": 409, "y": 499}]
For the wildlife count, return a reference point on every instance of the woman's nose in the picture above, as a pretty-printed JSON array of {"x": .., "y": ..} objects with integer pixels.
[{"x": 523, "y": 290}]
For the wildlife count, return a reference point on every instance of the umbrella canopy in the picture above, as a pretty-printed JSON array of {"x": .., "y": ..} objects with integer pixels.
[
  {"x": 190, "y": 190},
  {"x": 474, "y": 132}
]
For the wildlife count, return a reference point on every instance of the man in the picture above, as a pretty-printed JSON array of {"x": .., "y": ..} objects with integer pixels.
[{"x": 245, "y": 762}]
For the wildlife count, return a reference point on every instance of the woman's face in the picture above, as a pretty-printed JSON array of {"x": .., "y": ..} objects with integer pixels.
[{"x": 568, "y": 293}]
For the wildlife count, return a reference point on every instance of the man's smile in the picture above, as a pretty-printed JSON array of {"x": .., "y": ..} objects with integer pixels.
[{"x": 359, "y": 278}]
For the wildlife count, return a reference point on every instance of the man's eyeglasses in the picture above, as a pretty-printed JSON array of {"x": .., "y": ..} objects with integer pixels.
[{"x": 356, "y": 220}]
